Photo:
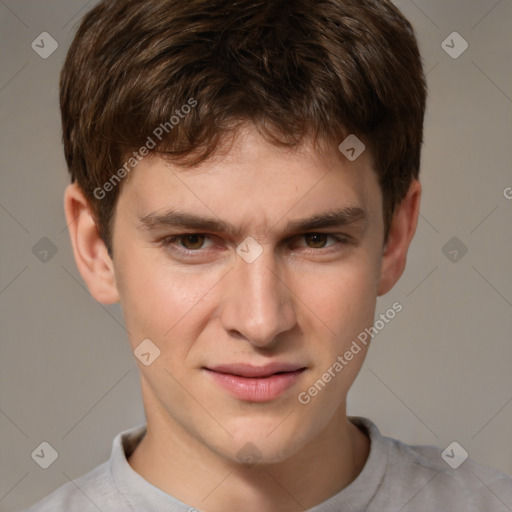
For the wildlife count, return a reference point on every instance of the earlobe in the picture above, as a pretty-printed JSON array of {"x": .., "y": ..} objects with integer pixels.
[
  {"x": 91, "y": 255},
  {"x": 401, "y": 232}
]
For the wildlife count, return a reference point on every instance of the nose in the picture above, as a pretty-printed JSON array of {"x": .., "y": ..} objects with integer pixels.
[{"x": 258, "y": 304}]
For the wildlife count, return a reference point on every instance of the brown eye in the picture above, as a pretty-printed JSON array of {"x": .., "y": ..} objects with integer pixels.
[
  {"x": 316, "y": 240},
  {"x": 193, "y": 241}
]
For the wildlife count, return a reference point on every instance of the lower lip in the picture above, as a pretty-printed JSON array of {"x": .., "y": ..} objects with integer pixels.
[{"x": 261, "y": 389}]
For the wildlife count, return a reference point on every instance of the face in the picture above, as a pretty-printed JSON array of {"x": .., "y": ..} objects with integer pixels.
[{"x": 251, "y": 273}]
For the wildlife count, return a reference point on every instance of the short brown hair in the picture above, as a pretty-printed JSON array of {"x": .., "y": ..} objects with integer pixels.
[{"x": 325, "y": 68}]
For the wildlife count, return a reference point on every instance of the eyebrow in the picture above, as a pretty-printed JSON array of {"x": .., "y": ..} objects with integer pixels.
[{"x": 185, "y": 220}]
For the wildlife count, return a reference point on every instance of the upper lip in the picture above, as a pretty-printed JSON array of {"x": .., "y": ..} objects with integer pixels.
[{"x": 247, "y": 370}]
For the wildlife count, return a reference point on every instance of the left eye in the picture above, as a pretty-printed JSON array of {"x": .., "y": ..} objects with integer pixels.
[
  {"x": 319, "y": 240},
  {"x": 316, "y": 240}
]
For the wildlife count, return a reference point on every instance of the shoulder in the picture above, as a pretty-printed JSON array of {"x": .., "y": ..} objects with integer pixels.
[
  {"x": 89, "y": 493},
  {"x": 465, "y": 487},
  {"x": 104, "y": 487},
  {"x": 420, "y": 478}
]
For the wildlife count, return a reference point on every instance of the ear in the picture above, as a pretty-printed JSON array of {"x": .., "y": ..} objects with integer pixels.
[
  {"x": 91, "y": 255},
  {"x": 402, "y": 229}
]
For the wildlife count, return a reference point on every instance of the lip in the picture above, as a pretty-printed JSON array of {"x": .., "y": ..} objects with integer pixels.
[{"x": 256, "y": 383}]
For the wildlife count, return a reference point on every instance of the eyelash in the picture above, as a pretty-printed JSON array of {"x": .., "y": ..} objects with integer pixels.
[{"x": 170, "y": 242}]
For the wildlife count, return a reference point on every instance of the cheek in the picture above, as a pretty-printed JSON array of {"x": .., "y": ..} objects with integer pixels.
[
  {"x": 341, "y": 301},
  {"x": 161, "y": 302},
  {"x": 339, "y": 307}
]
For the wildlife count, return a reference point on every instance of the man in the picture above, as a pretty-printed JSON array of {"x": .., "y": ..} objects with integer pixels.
[{"x": 245, "y": 184}]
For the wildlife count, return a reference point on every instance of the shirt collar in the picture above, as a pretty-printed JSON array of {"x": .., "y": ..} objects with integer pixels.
[{"x": 145, "y": 497}]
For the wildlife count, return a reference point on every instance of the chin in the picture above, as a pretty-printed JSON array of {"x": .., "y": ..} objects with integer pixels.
[{"x": 262, "y": 442}]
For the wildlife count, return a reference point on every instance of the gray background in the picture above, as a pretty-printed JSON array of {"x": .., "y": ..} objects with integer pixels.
[{"x": 439, "y": 372}]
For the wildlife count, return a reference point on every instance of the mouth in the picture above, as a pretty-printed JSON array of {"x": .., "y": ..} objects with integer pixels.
[{"x": 256, "y": 383}]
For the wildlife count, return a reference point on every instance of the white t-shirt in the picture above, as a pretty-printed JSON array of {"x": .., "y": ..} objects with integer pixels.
[{"x": 396, "y": 477}]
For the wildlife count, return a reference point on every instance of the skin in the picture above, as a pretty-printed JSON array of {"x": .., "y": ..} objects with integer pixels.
[{"x": 303, "y": 300}]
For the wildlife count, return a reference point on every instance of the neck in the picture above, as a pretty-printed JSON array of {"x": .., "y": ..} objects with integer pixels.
[{"x": 180, "y": 465}]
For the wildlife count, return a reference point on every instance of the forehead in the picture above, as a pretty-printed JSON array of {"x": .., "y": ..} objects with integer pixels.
[{"x": 250, "y": 178}]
